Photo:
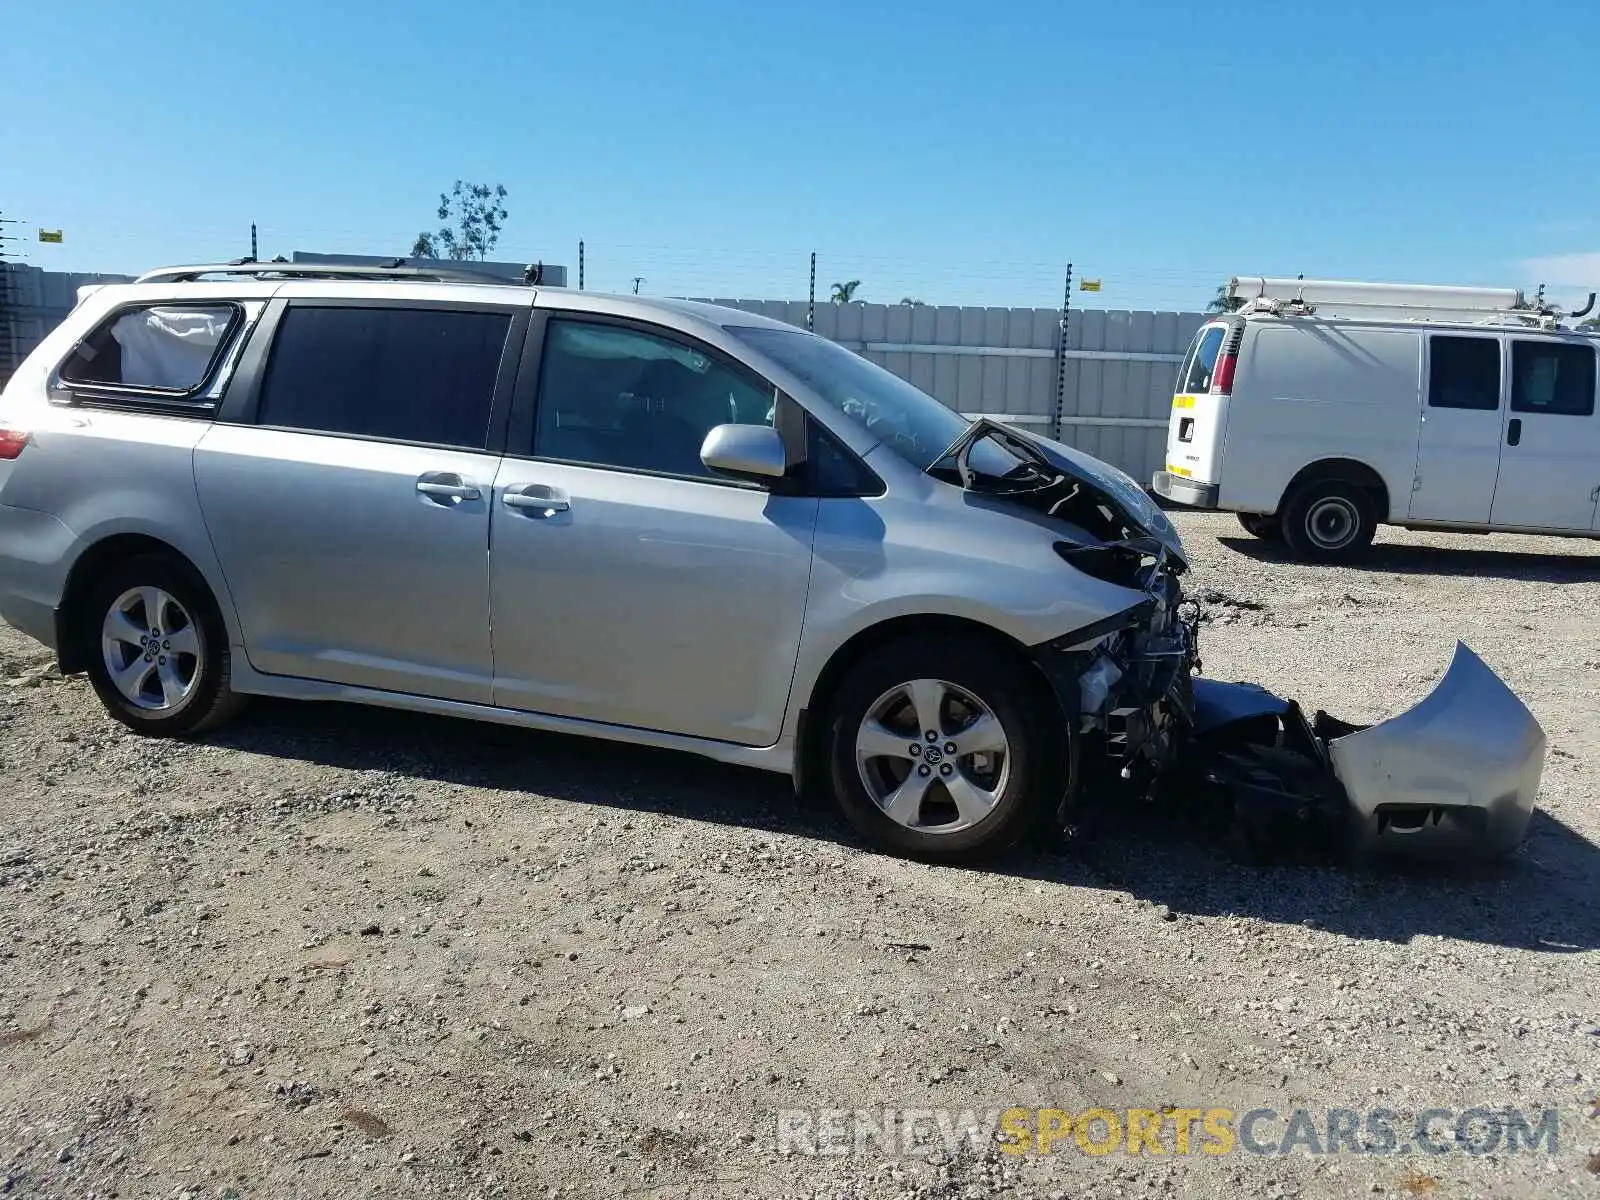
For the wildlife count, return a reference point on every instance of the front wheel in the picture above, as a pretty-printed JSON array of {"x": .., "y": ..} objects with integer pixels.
[
  {"x": 1329, "y": 521},
  {"x": 938, "y": 749},
  {"x": 159, "y": 659}
]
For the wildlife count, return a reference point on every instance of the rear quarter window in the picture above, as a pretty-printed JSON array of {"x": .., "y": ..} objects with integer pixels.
[{"x": 164, "y": 350}]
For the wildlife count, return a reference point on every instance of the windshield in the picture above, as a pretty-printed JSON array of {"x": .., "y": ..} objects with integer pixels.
[{"x": 912, "y": 423}]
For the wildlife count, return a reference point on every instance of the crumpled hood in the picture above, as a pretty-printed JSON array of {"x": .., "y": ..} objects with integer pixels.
[{"x": 1119, "y": 486}]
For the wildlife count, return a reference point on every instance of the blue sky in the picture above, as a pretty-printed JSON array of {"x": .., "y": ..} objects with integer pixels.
[{"x": 957, "y": 152}]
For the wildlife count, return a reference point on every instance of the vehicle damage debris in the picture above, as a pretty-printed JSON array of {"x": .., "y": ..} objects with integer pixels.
[{"x": 1453, "y": 778}]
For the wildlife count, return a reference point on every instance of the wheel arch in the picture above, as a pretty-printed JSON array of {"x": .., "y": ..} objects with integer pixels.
[
  {"x": 810, "y": 740},
  {"x": 74, "y": 646},
  {"x": 1343, "y": 470}
]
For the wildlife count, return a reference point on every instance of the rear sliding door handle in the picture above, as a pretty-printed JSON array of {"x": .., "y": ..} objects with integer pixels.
[
  {"x": 1514, "y": 431},
  {"x": 535, "y": 500}
]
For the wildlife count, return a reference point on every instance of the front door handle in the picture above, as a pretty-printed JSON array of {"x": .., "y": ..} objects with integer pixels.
[
  {"x": 535, "y": 500},
  {"x": 1514, "y": 431},
  {"x": 447, "y": 487}
]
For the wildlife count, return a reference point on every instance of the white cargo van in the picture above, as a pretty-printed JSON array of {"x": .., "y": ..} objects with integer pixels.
[{"x": 1321, "y": 410}]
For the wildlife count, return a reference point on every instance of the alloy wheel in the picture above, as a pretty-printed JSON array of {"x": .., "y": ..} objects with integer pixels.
[
  {"x": 152, "y": 649},
  {"x": 932, "y": 756}
]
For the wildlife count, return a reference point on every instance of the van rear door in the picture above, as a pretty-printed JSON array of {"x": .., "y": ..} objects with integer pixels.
[{"x": 1199, "y": 412}]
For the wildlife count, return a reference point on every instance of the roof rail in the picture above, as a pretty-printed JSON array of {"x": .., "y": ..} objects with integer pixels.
[{"x": 288, "y": 270}]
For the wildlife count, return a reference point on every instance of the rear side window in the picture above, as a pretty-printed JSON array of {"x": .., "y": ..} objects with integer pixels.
[
  {"x": 1552, "y": 377},
  {"x": 1202, "y": 362},
  {"x": 168, "y": 349},
  {"x": 407, "y": 374},
  {"x": 1464, "y": 372}
]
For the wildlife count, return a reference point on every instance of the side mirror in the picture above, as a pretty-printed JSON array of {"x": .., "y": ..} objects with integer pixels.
[{"x": 753, "y": 452}]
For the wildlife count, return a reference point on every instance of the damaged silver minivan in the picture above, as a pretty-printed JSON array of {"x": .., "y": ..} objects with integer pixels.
[{"x": 664, "y": 523}]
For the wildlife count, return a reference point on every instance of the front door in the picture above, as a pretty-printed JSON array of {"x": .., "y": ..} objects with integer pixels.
[
  {"x": 1548, "y": 465},
  {"x": 350, "y": 506},
  {"x": 628, "y": 584},
  {"x": 1458, "y": 443}
]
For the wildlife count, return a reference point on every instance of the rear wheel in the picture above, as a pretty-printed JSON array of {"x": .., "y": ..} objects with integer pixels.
[
  {"x": 1267, "y": 528},
  {"x": 1329, "y": 520},
  {"x": 938, "y": 749},
  {"x": 158, "y": 657}
]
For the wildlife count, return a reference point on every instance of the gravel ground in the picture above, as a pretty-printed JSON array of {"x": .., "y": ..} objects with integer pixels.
[{"x": 336, "y": 952}]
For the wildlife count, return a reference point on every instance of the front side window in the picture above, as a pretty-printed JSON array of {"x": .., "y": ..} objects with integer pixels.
[
  {"x": 1464, "y": 372},
  {"x": 1202, "y": 362},
  {"x": 167, "y": 348},
  {"x": 907, "y": 419},
  {"x": 614, "y": 396},
  {"x": 407, "y": 374},
  {"x": 1552, "y": 377}
]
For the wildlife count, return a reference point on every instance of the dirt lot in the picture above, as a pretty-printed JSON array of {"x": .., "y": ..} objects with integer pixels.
[{"x": 332, "y": 952}]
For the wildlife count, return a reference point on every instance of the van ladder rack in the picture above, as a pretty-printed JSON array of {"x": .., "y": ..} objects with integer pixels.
[{"x": 1417, "y": 302}]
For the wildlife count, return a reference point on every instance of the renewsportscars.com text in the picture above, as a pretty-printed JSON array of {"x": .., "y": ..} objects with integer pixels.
[{"x": 1169, "y": 1131}]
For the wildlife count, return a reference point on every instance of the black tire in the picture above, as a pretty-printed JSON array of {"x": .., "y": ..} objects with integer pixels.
[
  {"x": 1329, "y": 521},
  {"x": 212, "y": 699},
  {"x": 1267, "y": 528},
  {"x": 1033, "y": 768}
]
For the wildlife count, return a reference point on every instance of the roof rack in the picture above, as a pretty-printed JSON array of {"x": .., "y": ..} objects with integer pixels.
[
  {"x": 1397, "y": 301},
  {"x": 284, "y": 269}
]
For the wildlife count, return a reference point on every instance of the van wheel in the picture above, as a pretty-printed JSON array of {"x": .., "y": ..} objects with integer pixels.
[
  {"x": 158, "y": 650},
  {"x": 1329, "y": 521},
  {"x": 1268, "y": 529},
  {"x": 937, "y": 749}
]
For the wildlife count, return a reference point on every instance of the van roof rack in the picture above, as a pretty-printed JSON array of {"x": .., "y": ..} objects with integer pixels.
[
  {"x": 284, "y": 269},
  {"x": 1397, "y": 301}
]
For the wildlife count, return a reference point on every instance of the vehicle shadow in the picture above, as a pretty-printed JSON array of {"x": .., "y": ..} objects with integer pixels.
[
  {"x": 1543, "y": 898},
  {"x": 1402, "y": 558}
]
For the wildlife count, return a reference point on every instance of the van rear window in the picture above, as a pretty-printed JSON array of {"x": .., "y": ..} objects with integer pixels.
[{"x": 1202, "y": 362}]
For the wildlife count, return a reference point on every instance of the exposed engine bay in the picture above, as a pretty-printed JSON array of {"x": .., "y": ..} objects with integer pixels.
[{"x": 1455, "y": 777}]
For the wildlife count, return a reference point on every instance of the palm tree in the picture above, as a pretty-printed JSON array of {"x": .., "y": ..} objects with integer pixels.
[
  {"x": 843, "y": 293},
  {"x": 1223, "y": 302},
  {"x": 910, "y": 301}
]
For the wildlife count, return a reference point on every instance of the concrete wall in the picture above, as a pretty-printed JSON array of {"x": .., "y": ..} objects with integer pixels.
[
  {"x": 1120, "y": 366},
  {"x": 1003, "y": 362}
]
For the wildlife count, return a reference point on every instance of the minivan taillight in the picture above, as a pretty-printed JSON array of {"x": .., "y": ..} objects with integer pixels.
[
  {"x": 1222, "y": 377},
  {"x": 12, "y": 442}
]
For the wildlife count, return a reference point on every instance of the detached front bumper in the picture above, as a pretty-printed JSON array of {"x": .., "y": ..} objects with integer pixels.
[
  {"x": 1184, "y": 491},
  {"x": 1455, "y": 776}
]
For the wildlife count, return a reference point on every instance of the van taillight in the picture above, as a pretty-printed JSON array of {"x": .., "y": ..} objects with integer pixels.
[
  {"x": 1222, "y": 377},
  {"x": 12, "y": 441}
]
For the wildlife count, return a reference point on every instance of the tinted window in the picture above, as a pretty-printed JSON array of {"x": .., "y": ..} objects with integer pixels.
[
  {"x": 1551, "y": 377},
  {"x": 618, "y": 397},
  {"x": 167, "y": 347},
  {"x": 834, "y": 471},
  {"x": 1202, "y": 362},
  {"x": 413, "y": 374},
  {"x": 1464, "y": 372}
]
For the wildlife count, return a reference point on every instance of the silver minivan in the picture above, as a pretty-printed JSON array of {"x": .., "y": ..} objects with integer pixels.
[{"x": 652, "y": 521}]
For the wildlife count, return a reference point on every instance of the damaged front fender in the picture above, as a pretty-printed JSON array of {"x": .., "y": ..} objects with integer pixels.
[{"x": 1455, "y": 776}]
